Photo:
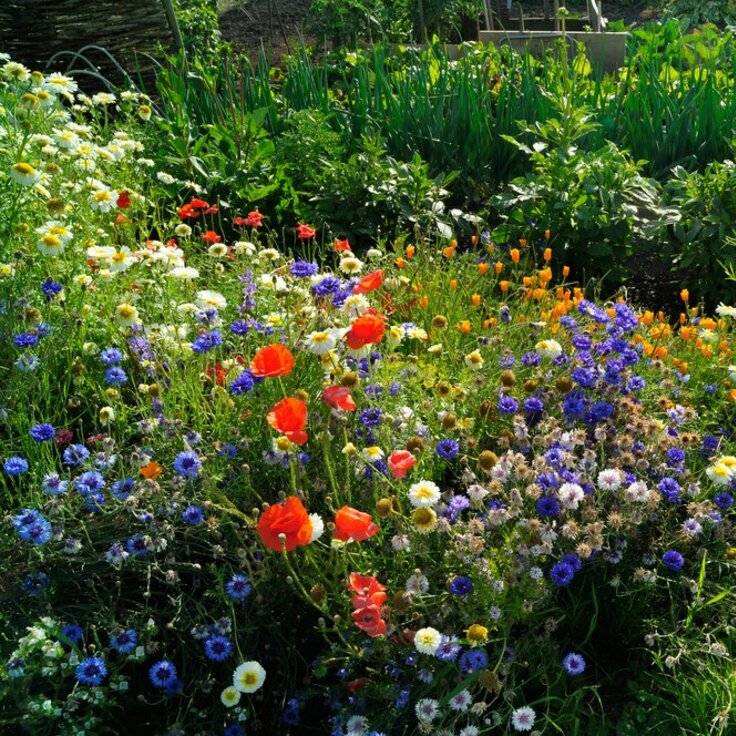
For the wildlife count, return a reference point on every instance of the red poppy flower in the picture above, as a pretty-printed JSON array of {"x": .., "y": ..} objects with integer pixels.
[
  {"x": 211, "y": 237},
  {"x": 273, "y": 360},
  {"x": 212, "y": 210},
  {"x": 255, "y": 219},
  {"x": 123, "y": 200},
  {"x": 342, "y": 245},
  {"x": 192, "y": 210},
  {"x": 356, "y": 685},
  {"x": 289, "y": 416},
  {"x": 199, "y": 203},
  {"x": 339, "y": 397},
  {"x": 353, "y": 524},
  {"x": 369, "y": 619},
  {"x": 217, "y": 373},
  {"x": 400, "y": 462},
  {"x": 369, "y": 283},
  {"x": 370, "y": 591},
  {"x": 289, "y": 518},
  {"x": 366, "y": 330},
  {"x": 304, "y": 232}
]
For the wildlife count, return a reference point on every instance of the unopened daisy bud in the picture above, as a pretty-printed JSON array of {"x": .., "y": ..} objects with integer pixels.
[
  {"x": 487, "y": 460},
  {"x": 439, "y": 322},
  {"x": 563, "y": 384},
  {"x": 384, "y": 507},
  {"x": 507, "y": 378}
]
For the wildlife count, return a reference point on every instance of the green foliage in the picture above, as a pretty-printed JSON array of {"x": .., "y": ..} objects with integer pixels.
[
  {"x": 199, "y": 26},
  {"x": 698, "y": 12},
  {"x": 702, "y": 243},
  {"x": 597, "y": 203}
]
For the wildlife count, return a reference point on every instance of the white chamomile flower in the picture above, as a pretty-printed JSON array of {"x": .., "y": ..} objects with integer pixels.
[
  {"x": 249, "y": 677},
  {"x": 230, "y": 697}
]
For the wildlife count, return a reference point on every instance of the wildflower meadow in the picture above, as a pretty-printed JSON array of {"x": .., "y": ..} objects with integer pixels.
[{"x": 257, "y": 479}]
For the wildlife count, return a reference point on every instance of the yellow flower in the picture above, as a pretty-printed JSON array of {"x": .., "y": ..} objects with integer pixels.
[
  {"x": 425, "y": 519},
  {"x": 477, "y": 635}
]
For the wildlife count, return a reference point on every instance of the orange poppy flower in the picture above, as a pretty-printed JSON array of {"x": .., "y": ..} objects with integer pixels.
[
  {"x": 400, "y": 462},
  {"x": 342, "y": 245},
  {"x": 273, "y": 360},
  {"x": 339, "y": 397},
  {"x": 151, "y": 471},
  {"x": 289, "y": 416},
  {"x": 369, "y": 283},
  {"x": 304, "y": 232},
  {"x": 289, "y": 518},
  {"x": 353, "y": 524},
  {"x": 369, "y": 591},
  {"x": 366, "y": 330}
]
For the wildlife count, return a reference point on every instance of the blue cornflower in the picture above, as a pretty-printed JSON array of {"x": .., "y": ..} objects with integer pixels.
[
  {"x": 218, "y": 648},
  {"x": 290, "y": 716},
  {"x": 456, "y": 505},
  {"x": 53, "y": 485},
  {"x": 573, "y": 561},
  {"x": 448, "y": 649},
  {"x": 562, "y": 574},
  {"x": 508, "y": 405},
  {"x": 207, "y": 341},
  {"x": 38, "y": 532},
  {"x": 670, "y": 489},
  {"x": 136, "y": 545},
  {"x": 234, "y": 729},
  {"x": 15, "y": 466},
  {"x": 25, "y": 340},
  {"x": 42, "y": 432},
  {"x": 238, "y": 587},
  {"x": 122, "y": 488},
  {"x": 303, "y": 269},
  {"x": 531, "y": 359},
  {"x": 242, "y": 383},
  {"x": 723, "y": 501},
  {"x": 635, "y": 383},
  {"x": 584, "y": 377},
  {"x": 73, "y": 632},
  {"x": 124, "y": 641},
  {"x": 625, "y": 318},
  {"x": 599, "y": 411},
  {"x": 193, "y": 515},
  {"x": 326, "y": 286},
  {"x": 673, "y": 560},
  {"x": 35, "y": 583},
  {"x": 675, "y": 455},
  {"x": 90, "y": 482},
  {"x": 581, "y": 342},
  {"x": 111, "y": 356},
  {"x": 548, "y": 506},
  {"x": 472, "y": 661},
  {"x": 240, "y": 327},
  {"x": 574, "y": 664},
  {"x": 115, "y": 376},
  {"x": 504, "y": 314},
  {"x": 370, "y": 417},
  {"x": 187, "y": 464},
  {"x": 51, "y": 289},
  {"x": 533, "y": 405},
  {"x": 26, "y": 518},
  {"x": 91, "y": 671},
  {"x": 460, "y": 585},
  {"x": 163, "y": 673},
  {"x": 75, "y": 455},
  {"x": 447, "y": 449}
]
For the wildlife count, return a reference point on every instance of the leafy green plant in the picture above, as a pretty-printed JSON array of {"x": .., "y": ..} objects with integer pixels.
[
  {"x": 597, "y": 204},
  {"x": 702, "y": 243},
  {"x": 697, "y": 12}
]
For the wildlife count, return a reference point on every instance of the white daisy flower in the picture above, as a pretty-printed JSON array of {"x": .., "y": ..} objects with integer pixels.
[
  {"x": 424, "y": 494},
  {"x": 427, "y": 640},
  {"x": 249, "y": 677}
]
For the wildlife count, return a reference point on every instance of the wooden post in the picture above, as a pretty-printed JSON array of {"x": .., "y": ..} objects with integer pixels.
[
  {"x": 173, "y": 25},
  {"x": 422, "y": 27}
]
